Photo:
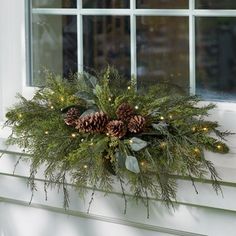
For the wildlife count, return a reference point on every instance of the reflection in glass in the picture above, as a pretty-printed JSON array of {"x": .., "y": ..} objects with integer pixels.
[
  {"x": 54, "y": 3},
  {"x": 162, "y": 4},
  {"x": 54, "y": 45},
  {"x": 216, "y": 57},
  {"x": 162, "y": 51},
  {"x": 107, "y": 41},
  {"x": 105, "y": 3},
  {"x": 215, "y": 4}
]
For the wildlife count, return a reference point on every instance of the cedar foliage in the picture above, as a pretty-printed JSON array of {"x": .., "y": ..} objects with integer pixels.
[{"x": 173, "y": 142}]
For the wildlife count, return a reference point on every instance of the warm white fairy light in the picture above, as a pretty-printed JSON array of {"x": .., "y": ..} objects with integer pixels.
[
  {"x": 128, "y": 87},
  {"x": 73, "y": 135},
  {"x": 136, "y": 107},
  {"x": 162, "y": 117},
  {"x": 46, "y": 132}
]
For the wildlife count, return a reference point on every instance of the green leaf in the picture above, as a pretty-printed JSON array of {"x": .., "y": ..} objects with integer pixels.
[
  {"x": 131, "y": 163},
  {"x": 90, "y": 80},
  {"x": 88, "y": 112},
  {"x": 89, "y": 98},
  {"x": 137, "y": 144},
  {"x": 120, "y": 158}
]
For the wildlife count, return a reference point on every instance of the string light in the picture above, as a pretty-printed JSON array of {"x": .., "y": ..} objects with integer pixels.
[
  {"x": 193, "y": 128},
  {"x": 142, "y": 163},
  {"x": 20, "y": 115},
  {"x": 205, "y": 129},
  {"x": 196, "y": 150},
  {"x": 46, "y": 132},
  {"x": 162, "y": 144},
  {"x": 128, "y": 87},
  {"x": 130, "y": 141},
  {"x": 73, "y": 135},
  {"x": 219, "y": 146},
  {"x": 136, "y": 107},
  {"x": 52, "y": 107},
  {"x": 107, "y": 134},
  {"x": 109, "y": 99},
  {"x": 170, "y": 116},
  {"x": 62, "y": 99},
  {"x": 162, "y": 118},
  {"x": 85, "y": 166},
  {"x": 91, "y": 144},
  {"x": 82, "y": 140}
]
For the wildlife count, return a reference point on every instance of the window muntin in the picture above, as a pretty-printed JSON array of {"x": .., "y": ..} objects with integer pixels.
[{"x": 186, "y": 64}]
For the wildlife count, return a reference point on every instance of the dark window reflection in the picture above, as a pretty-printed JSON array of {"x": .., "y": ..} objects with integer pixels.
[
  {"x": 106, "y": 3},
  {"x": 216, "y": 57},
  {"x": 162, "y": 4},
  {"x": 54, "y": 3},
  {"x": 216, "y": 4},
  {"x": 162, "y": 51},
  {"x": 107, "y": 41},
  {"x": 54, "y": 45}
]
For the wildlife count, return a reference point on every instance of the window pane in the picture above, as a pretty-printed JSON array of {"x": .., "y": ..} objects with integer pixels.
[
  {"x": 107, "y": 41},
  {"x": 216, "y": 57},
  {"x": 162, "y": 4},
  {"x": 54, "y": 3},
  {"x": 162, "y": 50},
  {"x": 106, "y": 3},
  {"x": 215, "y": 4},
  {"x": 54, "y": 45}
]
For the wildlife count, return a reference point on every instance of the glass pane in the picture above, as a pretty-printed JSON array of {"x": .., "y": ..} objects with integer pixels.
[
  {"x": 107, "y": 41},
  {"x": 54, "y": 3},
  {"x": 106, "y": 3},
  {"x": 54, "y": 45},
  {"x": 216, "y": 57},
  {"x": 215, "y": 4},
  {"x": 162, "y": 51},
  {"x": 162, "y": 4}
]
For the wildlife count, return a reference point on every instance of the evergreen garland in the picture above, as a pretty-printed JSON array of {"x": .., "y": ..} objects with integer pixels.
[{"x": 90, "y": 131}]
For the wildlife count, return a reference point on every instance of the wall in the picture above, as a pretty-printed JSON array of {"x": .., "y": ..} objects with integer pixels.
[{"x": 202, "y": 214}]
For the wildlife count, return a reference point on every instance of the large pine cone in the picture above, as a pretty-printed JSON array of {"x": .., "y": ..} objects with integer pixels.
[
  {"x": 124, "y": 112},
  {"x": 136, "y": 124},
  {"x": 116, "y": 128},
  {"x": 72, "y": 116},
  {"x": 92, "y": 123}
]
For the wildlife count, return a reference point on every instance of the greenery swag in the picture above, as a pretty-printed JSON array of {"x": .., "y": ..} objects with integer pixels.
[{"x": 91, "y": 131}]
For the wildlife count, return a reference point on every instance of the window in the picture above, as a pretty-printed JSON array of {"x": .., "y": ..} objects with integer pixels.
[{"x": 187, "y": 43}]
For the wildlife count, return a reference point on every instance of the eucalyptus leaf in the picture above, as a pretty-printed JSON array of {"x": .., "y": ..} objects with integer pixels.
[
  {"x": 161, "y": 127},
  {"x": 120, "y": 157},
  {"x": 131, "y": 163},
  {"x": 90, "y": 80},
  {"x": 85, "y": 96},
  {"x": 88, "y": 112},
  {"x": 137, "y": 144}
]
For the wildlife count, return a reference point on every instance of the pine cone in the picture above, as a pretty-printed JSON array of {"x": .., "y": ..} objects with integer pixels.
[
  {"x": 92, "y": 123},
  {"x": 136, "y": 124},
  {"x": 116, "y": 128},
  {"x": 124, "y": 112},
  {"x": 71, "y": 116}
]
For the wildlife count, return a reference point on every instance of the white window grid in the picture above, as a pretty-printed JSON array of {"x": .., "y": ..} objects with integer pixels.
[{"x": 134, "y": 12}]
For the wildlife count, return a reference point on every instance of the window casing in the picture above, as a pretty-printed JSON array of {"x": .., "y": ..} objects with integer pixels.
[{"x": 161, "y": 41}]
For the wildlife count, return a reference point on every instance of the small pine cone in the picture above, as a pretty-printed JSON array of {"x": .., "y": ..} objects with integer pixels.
[
  {"x": 92, "y": 123},
  {"x": 124, "y": 112},
  {"x": 116, "y": 128},
  {"x": 136, "y": 124},
  {"x": 71, "y": 116}
]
